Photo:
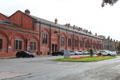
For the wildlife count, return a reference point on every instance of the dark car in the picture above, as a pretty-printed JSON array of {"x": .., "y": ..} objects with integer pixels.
[
  {"x": 59, "y": 52},
  {"x": 23, "y": 54}
]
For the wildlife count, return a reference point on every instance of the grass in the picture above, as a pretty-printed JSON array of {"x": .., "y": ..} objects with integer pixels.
[{"x": 86, "y": 59}]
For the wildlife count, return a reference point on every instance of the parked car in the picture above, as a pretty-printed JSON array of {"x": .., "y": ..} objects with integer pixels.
[
  {"x": 78, "y": 52},
  {"x": 107, "y": 53},
  {"x": 22, "y": 54},
  {"x": 60, "y": 52},
  {"x": 72, "y": 52},
  {"x": 85, "y": 52},
  {"x": 113, "y": 53}
]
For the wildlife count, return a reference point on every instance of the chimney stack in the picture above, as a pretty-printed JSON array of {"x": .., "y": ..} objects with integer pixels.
[
  {"x": 73, "y": 26},
  {"x": 56, "y": 20},
  {"x": 68, "y": 25},
  {"x": 95, "y": 34},
  {"x": 27, "y": 12},
  {"x": 79, "y": 29}
]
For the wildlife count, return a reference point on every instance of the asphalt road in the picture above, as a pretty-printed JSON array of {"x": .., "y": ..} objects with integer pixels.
[{"x": 45, "y": 68}]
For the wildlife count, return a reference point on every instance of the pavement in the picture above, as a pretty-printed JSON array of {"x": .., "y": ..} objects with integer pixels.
[{"x": 46, "y": 68}]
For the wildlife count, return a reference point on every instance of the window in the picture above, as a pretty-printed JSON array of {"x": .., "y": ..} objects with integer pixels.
[
  {"x": 94, "y": 45},
  {"x": 97, "y": 45},
  {"x": 89, "y": 44},
  {"x": 0, "y": 43},
  {"x": 62, "y": 41},
  {"x": 81, "y": 43},
  {"x": 69, "y": 42},
  {"x": 18, "y": 44},
  {"x": 45, "y": 38},
  {"x": 76, "y": 43},
  {"x": 85, "y": 43},
  {"x": 33, "y": 45}
]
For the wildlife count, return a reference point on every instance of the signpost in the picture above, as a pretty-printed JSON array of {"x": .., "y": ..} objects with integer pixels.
[{"x": 66, "y": 54}]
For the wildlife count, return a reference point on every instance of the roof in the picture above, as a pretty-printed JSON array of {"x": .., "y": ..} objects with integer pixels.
[{"x": 62, "y": 26}]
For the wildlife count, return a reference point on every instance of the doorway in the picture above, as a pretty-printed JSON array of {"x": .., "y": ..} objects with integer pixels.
[{"x": 54, "y": 47}]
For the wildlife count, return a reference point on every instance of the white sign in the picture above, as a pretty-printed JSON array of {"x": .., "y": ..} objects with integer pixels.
[{"x": 9, "y": 47}]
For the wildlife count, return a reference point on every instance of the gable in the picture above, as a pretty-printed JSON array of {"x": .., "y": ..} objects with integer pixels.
[
  {"x": 3, "y": 17},
  {"x": 21, "y": 19}
]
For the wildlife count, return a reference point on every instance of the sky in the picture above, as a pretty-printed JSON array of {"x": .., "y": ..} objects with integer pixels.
[{"x": 87, "y": 14}]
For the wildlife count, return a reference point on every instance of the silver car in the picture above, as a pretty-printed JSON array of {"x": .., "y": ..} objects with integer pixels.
[{"x": 107, "y": 53}]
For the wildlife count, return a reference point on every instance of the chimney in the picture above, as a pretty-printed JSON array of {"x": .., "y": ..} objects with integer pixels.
[
  {"x": 90, "y": 32},
  {"x": 56, "y": 20},
  {"x": 68, "y": 25},
  {"x": 95, "y": 34},
  {"x": 79, "y": 29},
  {"x": 73, "y": 26},
  {"x": 27, "y": 12}
]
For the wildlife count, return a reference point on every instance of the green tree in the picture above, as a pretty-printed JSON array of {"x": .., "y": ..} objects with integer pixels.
[
  {"x": 90, "y": 52},
  {"x": 111, "y": 2}
]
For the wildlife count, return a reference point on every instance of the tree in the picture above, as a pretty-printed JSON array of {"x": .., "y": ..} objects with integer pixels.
[
  {"x": 111, "y": 2},
  {"x": 118, "y": 47},
  {"x": 90, "y": 52}
]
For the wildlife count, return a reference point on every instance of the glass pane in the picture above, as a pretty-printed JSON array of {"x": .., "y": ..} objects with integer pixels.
[
  {"x": 0, "y": 43},
  {"x": 20, "y": 44},
  {"x": 16, "y": 44}
]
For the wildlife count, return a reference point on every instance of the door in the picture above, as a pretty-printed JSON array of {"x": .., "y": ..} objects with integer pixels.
[{"x": 54, "y": 47}]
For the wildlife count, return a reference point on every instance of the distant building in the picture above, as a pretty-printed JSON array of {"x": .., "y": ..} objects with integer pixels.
[{"x": 108, "y": 43}]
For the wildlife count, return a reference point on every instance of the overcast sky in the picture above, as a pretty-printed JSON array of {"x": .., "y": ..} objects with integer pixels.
[{"x": 87, "y": 14}]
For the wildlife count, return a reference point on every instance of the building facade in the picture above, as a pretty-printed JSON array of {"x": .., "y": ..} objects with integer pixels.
[
  {"x": 109, "y": 44},
  {"x": 24, "y": 32}
]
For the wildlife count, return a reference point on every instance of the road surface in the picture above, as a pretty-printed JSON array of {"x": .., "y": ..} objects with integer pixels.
[{"x": 45, "y": 68}]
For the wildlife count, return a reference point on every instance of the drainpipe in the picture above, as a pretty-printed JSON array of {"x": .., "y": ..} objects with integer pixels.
[
  {"x": 73, "y": 40},
  {"x": 50, "y": 42},
  {"x": 59, "y": 39},
  {"x": 66, "y": 40},
  {"x": 39, "y": 39}
]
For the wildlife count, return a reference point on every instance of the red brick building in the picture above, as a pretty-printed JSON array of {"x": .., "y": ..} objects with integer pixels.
[{"x": 22, "y": 31}]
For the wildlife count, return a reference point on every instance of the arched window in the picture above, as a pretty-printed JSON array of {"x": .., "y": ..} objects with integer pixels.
[
  {"x": 69, "y": 42},
  {"x": 81, "y": 43},
  {"x": 45, "y": 38},
  {"x": 76, "y": 42},
  {"x": 89, "y": 44}
]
